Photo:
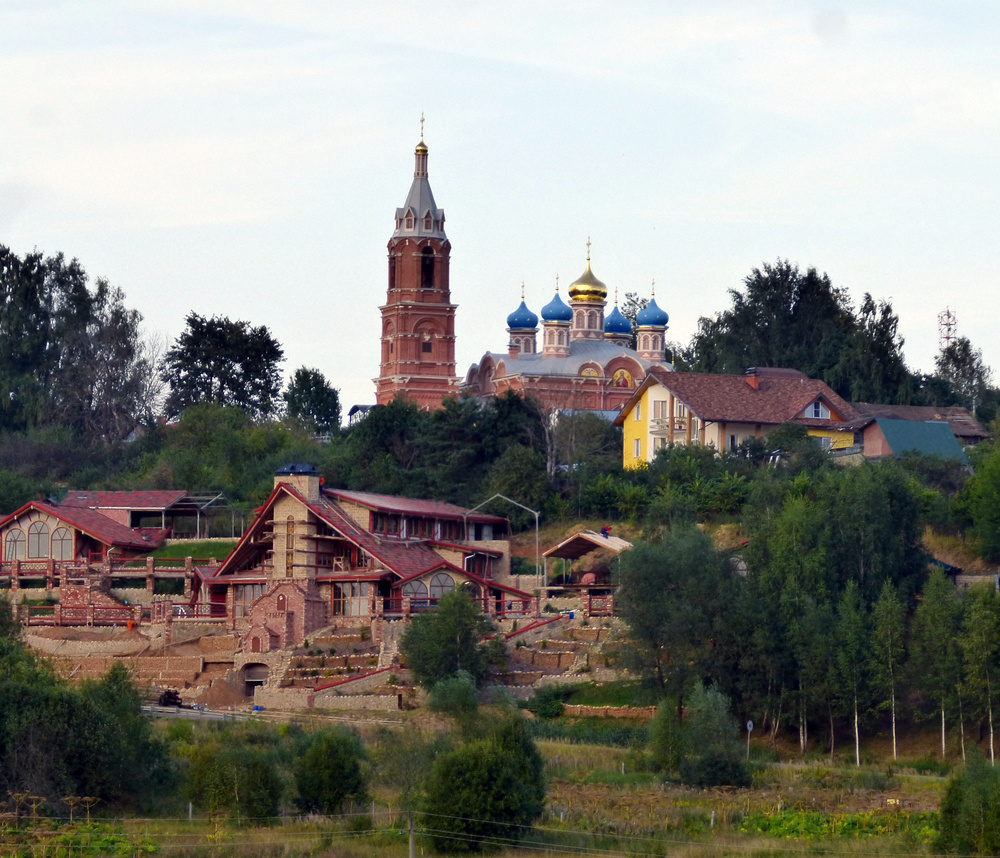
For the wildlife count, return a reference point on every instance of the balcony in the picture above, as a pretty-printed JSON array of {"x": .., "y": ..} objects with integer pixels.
[{"x": 661, "y": 425}]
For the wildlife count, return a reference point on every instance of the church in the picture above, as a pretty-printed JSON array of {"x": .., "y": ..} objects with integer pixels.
[{"x": 583, "y": 362}]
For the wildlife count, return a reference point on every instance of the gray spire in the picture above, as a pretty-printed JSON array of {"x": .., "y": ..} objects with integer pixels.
[{"x": 412, "y": 218}]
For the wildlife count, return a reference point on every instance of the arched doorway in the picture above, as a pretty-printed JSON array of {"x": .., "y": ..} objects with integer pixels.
[{"x": 254, "y": 675}]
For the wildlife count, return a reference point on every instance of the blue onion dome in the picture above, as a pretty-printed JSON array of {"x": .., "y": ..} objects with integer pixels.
[
  {"x": 556, "y": 311},
  {"x": 616, "y": 323},
  {"x": 652, "y": 316},
  {"x": 522, "y": 319}
]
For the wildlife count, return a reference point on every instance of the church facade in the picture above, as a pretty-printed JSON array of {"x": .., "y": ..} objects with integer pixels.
[{"x": 583, "y": 360}]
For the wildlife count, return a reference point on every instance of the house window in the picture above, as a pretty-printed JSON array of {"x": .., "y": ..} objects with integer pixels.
[
  {"x": 733, "y": 442},
  {"x": 637, "y": 412},
  {"x": 62, "y": 544},
  {"x": 818, "y": 410},
  {"x": 38, "y": 540},
  {"x": 636, "y": 449},
  {"x": 826, "y": 442},
  {"x": 441, "y": 584},
  {"x": 417, "y": 591},
  {"x": 14, "y": 546}
]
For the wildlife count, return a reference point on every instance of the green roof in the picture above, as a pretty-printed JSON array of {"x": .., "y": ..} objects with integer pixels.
[{"x": 931, "y": 438}]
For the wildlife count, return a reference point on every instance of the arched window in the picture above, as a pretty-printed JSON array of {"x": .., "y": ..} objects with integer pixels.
[
  {"x": 392, "y": 272},
  {"x": 428, "y": 222},
  {"x": 14, "y": 547},
  {"x": 38, "y": 540},
  {"x": 427, "y": 268},
  {"x": 561, "y": 340},
  {"x": 409, "y": 221},
  {"x": 441, "y": 584},
  {"x": 62, "y": 544},
  {"x": 591, "y": 320},
  {"x": 417, "y": 591}
]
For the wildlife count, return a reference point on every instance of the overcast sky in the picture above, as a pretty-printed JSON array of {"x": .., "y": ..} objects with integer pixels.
[{"x": 246, "y": 158}]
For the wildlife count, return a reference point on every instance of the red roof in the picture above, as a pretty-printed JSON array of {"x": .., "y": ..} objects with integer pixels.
[
  {"x": 151, "y": 500},
  {"x": 92, "y": 523},
  {"x": 780, "y": 396},
  {"x": 402, "y": 557},
  {"x": 410, "y": 506}
]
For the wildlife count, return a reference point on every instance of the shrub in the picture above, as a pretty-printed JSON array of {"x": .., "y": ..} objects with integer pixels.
[
  {"x": 714, "y": 769},
  {"x": 548, "y": 702},
  {"x": 454, "y": 696},
  {"x": 969, "y": 820},
  {"x": 329, "y": 772}
]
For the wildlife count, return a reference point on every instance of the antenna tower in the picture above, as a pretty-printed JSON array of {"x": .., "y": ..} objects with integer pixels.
[{"x": 946, "y": 328}]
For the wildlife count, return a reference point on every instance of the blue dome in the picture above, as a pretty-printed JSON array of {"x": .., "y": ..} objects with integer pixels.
[
  {"x": 652, "y": 316},
  {"x": 557, "y": 311},
  {"x": 522, "y": 319},
  {"x": 616, "y": 323}
]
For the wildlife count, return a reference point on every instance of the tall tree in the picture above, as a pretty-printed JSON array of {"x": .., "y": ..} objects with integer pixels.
[
  {"x": 70, "y": 355},
  {"x": 887, "y": 651},
  {"x": 935, "y": 662},
  {"x": 980, "y": 641},
  {"x": 225, "y": 362},
  {"x": 852, "y": 662},
  {"x": 782, "y": 318},
  {"x": 960, "y": 365},
  {"x": 313, "y": 401},
  {"x": 788, "y": 318},
  {"x": 675, "y": 596},
  {"x": 438, "y": 644}
]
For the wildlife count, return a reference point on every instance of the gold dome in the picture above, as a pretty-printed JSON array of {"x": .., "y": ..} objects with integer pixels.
[
  {"x": 588, "y": 288},
  {"x": 421, "y": 147}
]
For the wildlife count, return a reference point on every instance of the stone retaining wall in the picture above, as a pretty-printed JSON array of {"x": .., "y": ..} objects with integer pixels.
[
  {"x": 283, "y": 698},
  {"x": 381, "y": 702},
  {"x": 638, "y": 712},
  {"x": 69, "y": 649}
]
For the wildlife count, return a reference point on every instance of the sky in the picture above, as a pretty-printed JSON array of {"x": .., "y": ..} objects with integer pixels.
[{"x": 245, "y": 159}]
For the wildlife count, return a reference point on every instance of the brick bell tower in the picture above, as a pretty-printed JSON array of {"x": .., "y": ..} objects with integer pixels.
[{"x": 418, "y": 318}]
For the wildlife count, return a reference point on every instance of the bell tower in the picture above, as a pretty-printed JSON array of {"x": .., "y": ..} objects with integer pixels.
[{"x": 418, "y": 318}]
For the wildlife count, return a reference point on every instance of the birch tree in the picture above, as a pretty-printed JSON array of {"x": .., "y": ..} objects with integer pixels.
[{"x": 887, "y": 651}]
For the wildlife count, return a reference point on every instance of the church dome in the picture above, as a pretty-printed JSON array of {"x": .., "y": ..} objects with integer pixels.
[
  {"x": 588, "y": 288},
  {"x": 616, "y": 323},
  {"x": 522, "y": 319},
  {"x": 651, "y": 316},
  {"x": 557, "y": 311}
]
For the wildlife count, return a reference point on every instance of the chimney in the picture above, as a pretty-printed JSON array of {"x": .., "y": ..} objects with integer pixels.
[
  {"x": 304, "y": 478},
  {"x": 753, "y": 379},
  {"x": 513, "y": 350}
]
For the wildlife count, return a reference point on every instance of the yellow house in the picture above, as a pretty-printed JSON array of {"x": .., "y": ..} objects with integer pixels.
[{"x": 722, "y": 411}]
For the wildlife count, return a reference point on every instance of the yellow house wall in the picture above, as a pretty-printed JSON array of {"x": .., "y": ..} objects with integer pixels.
[
  {"x": 637, "y": 430},
  {"x": 839, "y": 440}
]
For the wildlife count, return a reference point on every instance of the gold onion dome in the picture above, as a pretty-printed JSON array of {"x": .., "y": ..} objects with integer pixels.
[{"x": 588, "y": 288}]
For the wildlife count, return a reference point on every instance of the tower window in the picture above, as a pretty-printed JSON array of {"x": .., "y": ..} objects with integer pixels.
[
  {"x": 428, "y": 222},
  {"x": 409, "y": 221},
  {"x": 392, "y": 272},
  {"x": 427, "y": 269},
  {"x": 425, "y": 348}
]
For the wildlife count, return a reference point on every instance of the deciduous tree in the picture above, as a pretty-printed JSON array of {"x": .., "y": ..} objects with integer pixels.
[
  {"x": 313, "y": 401},
  {"x": 225, "y": 362}
]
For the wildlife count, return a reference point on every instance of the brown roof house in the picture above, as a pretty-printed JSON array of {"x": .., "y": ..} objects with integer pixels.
[
  {"x": 316, "y": 557},
  {"x": 724, "y": 410}
]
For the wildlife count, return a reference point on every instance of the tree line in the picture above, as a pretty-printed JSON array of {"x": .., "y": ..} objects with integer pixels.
[{"x": 831, "y": 620}]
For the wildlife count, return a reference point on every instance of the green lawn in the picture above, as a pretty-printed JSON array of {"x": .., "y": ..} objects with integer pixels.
[{"x": 197, "y": 550}]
